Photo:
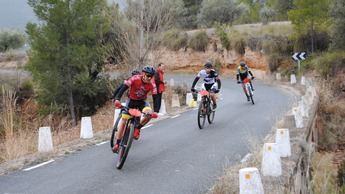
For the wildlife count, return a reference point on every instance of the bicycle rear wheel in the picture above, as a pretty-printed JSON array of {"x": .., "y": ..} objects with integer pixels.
[
  {"x": 114, "y": 130},
  {"x": 201, "y": 115},
  {"x": 125, "y": 144},
  {"x": 211, "y": 113}
]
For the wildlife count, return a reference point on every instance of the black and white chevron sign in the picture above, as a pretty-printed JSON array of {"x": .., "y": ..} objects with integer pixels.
[{"x": 299, "y": 56}]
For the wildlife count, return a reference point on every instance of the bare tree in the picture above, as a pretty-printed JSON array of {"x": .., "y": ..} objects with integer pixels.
[{"x": 147, "y": 19}]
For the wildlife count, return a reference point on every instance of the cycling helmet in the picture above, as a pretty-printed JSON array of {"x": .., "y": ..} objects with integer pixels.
[
  {"x": 242, "y": 64},
  {"x": 208, "y": 65},
  {"x": 148, "y": 69},
  {"x": 135, "y": 72}
]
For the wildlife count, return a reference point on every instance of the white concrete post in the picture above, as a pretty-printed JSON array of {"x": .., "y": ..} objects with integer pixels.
[
  {"x": 250, "y": 181},
  {"x": 298, "y": 117},
  {"x": 199, "y": 98},
  {"x": 162, "y": 110},
  {"x": 293, "y": 79},
  {"x": 189, "y": 99},
  {"x": 283, "y": 142},
  {"x": 271, "y": 163},
  {"x": 86, "y": 128},
  {"x": 278, "y": 76},
  {"x": 175, "y": 101},
  {"x": 45, "y": 140},
  {"x": 303, "y": 81}
]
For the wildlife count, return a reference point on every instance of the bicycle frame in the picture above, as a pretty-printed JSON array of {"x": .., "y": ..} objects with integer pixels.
[{"x": 247, "y": 87}]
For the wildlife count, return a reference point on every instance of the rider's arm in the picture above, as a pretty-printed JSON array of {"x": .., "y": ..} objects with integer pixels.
[
  {"x": 116, "y": 91},
  {"x": 122, "y": 90},
  {"x": 238, "y": 76},
  {"x": 250, "y": 73},
  {"x": 195, "y": 81}
]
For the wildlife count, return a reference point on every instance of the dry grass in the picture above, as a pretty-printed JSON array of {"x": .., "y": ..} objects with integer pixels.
[
  {"x": 16, "y": 141},
  {"x": 324, "y": 174}
]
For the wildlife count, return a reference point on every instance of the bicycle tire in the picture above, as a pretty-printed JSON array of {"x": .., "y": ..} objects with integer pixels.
[
  {"x": 211, "y": 113},
  {"x": 250, "y": 91},
  {"x": 112, "y": 138},
  {"x": 201, "y": 116},
  {"x": 125, "y": 144}
]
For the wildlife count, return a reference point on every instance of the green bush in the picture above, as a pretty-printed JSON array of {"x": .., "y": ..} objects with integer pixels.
[
  {"x": 223, "y": 36},
  {"x": 175, "y": 40},
  {"x": 199, "y": 41},
  {"x": 328, "y": 64},
  {"x": 303, "y": 42},
  {"x": 11, "y": 40}
]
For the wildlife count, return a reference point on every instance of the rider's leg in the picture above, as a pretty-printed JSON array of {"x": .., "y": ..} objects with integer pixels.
[
  {"x": 214, "y": 99},
  {"x": 245, "y": 91},
  {"x": 120, "y": 128},
  {"x": 146, "y": 118},
  {"x": 120, "y": 132},
  {"x": 251, "y": 85}
]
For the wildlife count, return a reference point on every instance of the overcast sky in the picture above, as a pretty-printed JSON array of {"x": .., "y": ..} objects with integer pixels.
[{"x": 14, "y": 14}]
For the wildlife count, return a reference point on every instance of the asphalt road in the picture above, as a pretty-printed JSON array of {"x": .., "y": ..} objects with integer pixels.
[{"x": 172, "y": 156}]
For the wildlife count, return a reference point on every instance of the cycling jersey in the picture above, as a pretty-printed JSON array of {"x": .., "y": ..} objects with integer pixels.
[
  {"x": 138, "y": 88},
  {"x": 210, "y": 78},
  {"x": 243, "y": 72}
]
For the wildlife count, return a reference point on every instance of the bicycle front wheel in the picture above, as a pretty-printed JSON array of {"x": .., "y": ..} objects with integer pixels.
[
  {"x": 211, "y": 113},
  {"x": 250, "y": 91},
  {"x": 114, "y": 130},
  {"x": 201, "y": 115},
  {"x": 125, "y": 144}
]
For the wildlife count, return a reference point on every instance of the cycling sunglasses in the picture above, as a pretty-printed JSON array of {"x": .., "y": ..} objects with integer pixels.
[{"x": 148, "y": 75}]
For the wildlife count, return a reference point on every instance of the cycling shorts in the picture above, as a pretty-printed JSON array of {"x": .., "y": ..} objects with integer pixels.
[{"x": 142, "y": 105}]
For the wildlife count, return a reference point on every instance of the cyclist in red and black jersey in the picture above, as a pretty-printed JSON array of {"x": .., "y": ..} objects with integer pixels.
[{"x": 139, "y": 86}]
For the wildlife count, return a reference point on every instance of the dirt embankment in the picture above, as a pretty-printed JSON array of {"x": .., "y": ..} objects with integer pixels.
[{"x": 190, "y": 61}]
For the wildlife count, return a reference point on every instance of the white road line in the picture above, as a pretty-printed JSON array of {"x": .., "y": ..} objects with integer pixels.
[
  {"x": 101, "y": 143},
  {"x": 147, "y": 126},
  {"x": 39, "y": 165},
  {"x": 175, "y": 116}
]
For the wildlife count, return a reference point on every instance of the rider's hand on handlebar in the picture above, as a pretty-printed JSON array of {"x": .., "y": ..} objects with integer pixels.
[
  {"x": 117, "y": 104},
  {"x": 253, "y": 77},
  {"x": 193, "y": 90},
  {"x": 238, "y": 81}
]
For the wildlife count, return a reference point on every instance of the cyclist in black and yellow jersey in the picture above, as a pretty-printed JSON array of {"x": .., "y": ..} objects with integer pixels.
[{"x": 243, "y": 72}]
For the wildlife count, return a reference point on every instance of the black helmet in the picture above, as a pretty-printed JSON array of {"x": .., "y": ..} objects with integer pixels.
[
  {"x": 242, "y": 64},
  {"x": 150, "y": 70},
  {"x": 208, "y": 65},
  {"x": 135, "y": 72}
]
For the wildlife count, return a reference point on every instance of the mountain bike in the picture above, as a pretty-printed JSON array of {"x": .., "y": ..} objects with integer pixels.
[
  {"x": 127, "y": 138},
  {"x": 248, "y": 89},
  {"x": 205, "y": 109}
]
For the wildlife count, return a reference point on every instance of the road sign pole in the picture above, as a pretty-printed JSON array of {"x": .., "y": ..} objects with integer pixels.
[{"x": 299, "y": 68}]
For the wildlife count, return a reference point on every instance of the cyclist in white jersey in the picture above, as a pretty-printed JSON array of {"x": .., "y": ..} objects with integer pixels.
[{"x": 211, "y": 81}]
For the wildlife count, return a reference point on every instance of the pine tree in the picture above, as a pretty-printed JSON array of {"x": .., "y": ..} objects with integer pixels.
[
  {"x": 67, "y": 52},
  {"x": 338, "y": 29},
  {"x": 309, "y": 16}
]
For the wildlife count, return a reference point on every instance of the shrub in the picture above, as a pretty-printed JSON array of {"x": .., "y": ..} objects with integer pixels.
[
  {"x": 277, "y": 44},
  {"x": 175, "y": 40},
  {"x": 328, "y": 64},
  {"x": 223, "y": 36},
  {"x": 199, "y": 41},
  {"x": 303, "y": 41},
  {"x": 254, "y": 43},
  {"x": 11, "y": 40},
  {"x": 239, "y": 45}
]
